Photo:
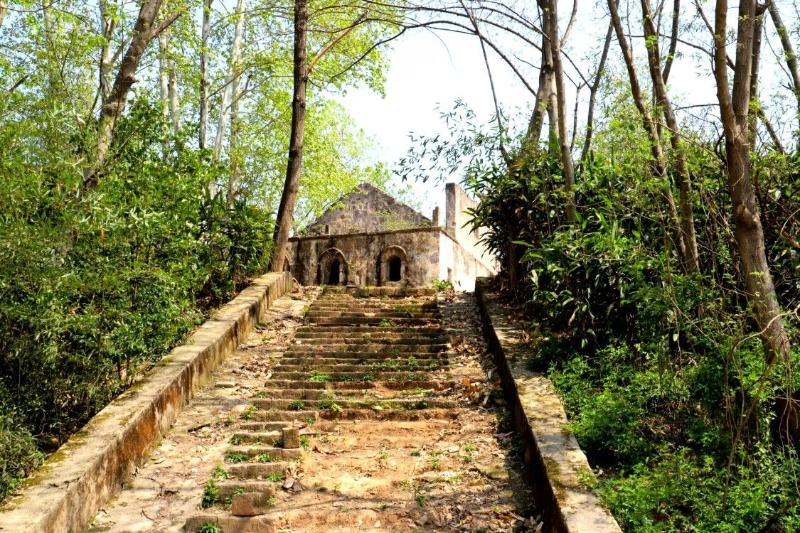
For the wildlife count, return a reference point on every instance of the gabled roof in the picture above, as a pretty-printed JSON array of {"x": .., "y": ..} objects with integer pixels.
[{"x": 366, "y": 209}]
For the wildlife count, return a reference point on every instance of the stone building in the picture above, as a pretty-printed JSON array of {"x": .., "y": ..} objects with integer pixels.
[{"x": 370, "y": 239}]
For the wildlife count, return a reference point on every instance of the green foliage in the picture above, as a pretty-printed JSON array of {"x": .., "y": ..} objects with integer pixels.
[
  {"x": 210, "y": 494},
  {"x": 661, "y": 371},
  {"x": 96, "y": 287},
  {"x": 209, "y": 527},
  {"x": 18, "y": 451},
  {"x": 443, "y": 285},
  {"x": 297, "y": 405}
]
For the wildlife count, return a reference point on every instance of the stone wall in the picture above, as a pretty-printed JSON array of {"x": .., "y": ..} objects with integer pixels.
[
  {"x": 367, "y": 210},
  {"x": 459, "y": 266},
  {"x": 456, "y": 222},
  {"x": 363, "y": 257}
]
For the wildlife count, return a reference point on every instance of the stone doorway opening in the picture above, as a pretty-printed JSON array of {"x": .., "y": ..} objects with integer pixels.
[
  {"x": 395, "y": 269},
  {"x": 333, "y": 272},
  {"x": 332, "y": 269}
]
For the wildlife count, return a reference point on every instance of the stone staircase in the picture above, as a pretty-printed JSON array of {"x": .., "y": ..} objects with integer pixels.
[{"x": 376, "y": 354}]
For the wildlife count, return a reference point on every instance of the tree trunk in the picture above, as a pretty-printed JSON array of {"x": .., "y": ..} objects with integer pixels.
[
  {"x": 550, "y": 11},
  {"x": 758, "y": 28},
  {"x": 656, "y": 150},
  {"x": 536, "y": 123},
  {"x": 107, "y": 25},
  {"x": 788, "y": 51},
  {"x": 3, "y": 11},
  {"x": 174, "y": 97},
  {"x": 587, "y": 141},
  {"x": 663, "y": 103},
  {"x": 163, "y": 74},
  {"x": 206, "y": 32},
  {"x": 734, "y": 109},
  {"x": 283, "y": 223},
  {"x": 236, "y": 51},
  {"x": 673, "y": 40},
  {"x": 143, "y": 32}
]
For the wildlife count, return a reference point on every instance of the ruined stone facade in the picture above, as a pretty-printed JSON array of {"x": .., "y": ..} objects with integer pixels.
[{"x": 370, "y": 239}]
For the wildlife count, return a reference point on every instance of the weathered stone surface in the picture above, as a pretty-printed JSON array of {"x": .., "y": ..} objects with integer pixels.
[
  {"x": 366, "y": 209},
  {"x": 250, "y": 504},
  {"x": 555, "y": 460},
  {"x": 232, "y": 524},
  {"x": 90, "y": 468},
  {"x": 291, "y": 438},
  {"x": 369, "y": 239}
]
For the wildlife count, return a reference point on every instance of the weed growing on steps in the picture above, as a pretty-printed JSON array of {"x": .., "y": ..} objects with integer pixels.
[
  {"x": 220, "y": 473},
  {"x": 210, "y": 494},
  {"x": 264, "y": 458},
  {"x": 209, "y": 527},
  {"x": 235, "y": 457},
  {"x": 386, "y": 323},
  {"x": 275, "y": 477},
  {"x": 297, "y": 405},
  {"x": 319, "y": 377},
  {"x": 304, "y": 441},
  {"x": 248, "y": 413},
  {"x": 420, "y": 499}
]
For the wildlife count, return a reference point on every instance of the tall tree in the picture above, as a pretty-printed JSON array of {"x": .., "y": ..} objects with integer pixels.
[
  {"x": 664, "y": 106},
  {"x": 789, "y": 55},
  {"x": 550, "y": 12},
  {"x": 659, "y": 162},
  {"x": 144, "y": 31},
  {"x": 203, "y": 105},
  {"x": 231, "y": 80},
  {"x": 735, "y": 110},
  {"x": 283, "y": 223}
]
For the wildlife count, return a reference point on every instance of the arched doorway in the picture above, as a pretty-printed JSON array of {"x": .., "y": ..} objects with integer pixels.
[
  {"x": 332, "y": 269},
  {"x": 392, "y": 266}
]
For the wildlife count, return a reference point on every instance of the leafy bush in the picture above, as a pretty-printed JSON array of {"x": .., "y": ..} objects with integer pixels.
[{"x": 96, "y": 286}]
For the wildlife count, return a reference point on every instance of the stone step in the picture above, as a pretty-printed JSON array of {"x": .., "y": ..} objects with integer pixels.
[
  {"x": 377, "y": 313},
  {"x": 339, "y": 403},
  {"x": 366, "y": 292},
  {"x": 257, "y": 470},
  {"x": 385, "y": 364},
  {"x": 275, "y": 454},
  {"x": 304, "y": 330},
  {"x": 341, "y": 321},
  {"x": 256, "y": 437},
  {"x": 302, "y": 394},
  {"x": 380, "y": 335},
  {"x": 229, "y": 487},
  {"x": 355, "y": 305},
  {"x": 361, "y": 414},
  {"x": 353, "y": 352},
  {"x": 276, "y": 425},
  {"x": 232, "y": 524},
  {"x": 320, "y": 359},
  {"x": 285, "y": 417},
  {"x": 349, "y": 385},
  {"x": 327, "y": 341},
  {"x": 358, "y": 376}
]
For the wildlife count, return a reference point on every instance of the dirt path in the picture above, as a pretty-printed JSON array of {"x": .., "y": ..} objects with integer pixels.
[{"x": 400, "y": 429}]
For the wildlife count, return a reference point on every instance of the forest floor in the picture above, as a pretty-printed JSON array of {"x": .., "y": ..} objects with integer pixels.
[{"x": 459, "y": 472}]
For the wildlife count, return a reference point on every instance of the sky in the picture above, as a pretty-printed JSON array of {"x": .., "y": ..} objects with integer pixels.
[{"x": 430, "y": 71}]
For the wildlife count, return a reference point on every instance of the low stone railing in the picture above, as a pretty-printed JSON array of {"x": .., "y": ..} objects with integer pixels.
[
  {"x": 555, "y": 463},
  {"x": 68, "y": 490}
]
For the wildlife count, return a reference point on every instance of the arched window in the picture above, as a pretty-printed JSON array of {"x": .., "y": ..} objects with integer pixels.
[
  {"x": 392, "y": 265},
  {"x": 332, "y": 268},
  {"x": 395, "y": 269}
]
